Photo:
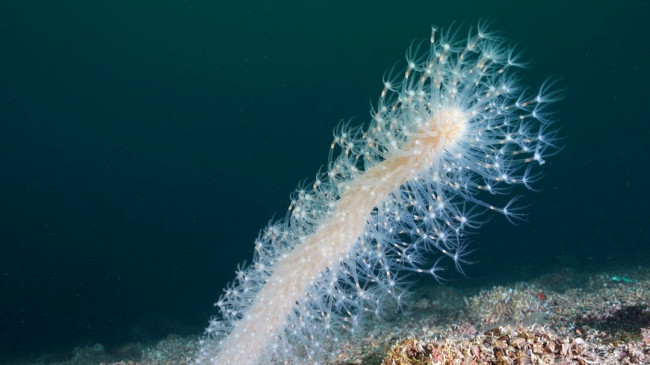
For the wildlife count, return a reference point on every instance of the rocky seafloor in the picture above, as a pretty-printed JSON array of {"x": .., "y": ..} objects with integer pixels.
[{"x": 564, "y": 317}]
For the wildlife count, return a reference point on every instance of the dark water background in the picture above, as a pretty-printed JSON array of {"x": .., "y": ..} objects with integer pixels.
[{"x": 143, "y": 144}]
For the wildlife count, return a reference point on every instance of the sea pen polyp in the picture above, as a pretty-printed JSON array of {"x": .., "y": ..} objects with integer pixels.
[{"x": 454, "y": 131}]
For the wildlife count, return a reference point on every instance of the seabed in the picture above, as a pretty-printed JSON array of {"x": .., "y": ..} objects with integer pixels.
[{"x": 564, "y": 317}]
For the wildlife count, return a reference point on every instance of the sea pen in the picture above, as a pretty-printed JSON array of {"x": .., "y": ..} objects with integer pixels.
[{"x": 449, "y": 133}]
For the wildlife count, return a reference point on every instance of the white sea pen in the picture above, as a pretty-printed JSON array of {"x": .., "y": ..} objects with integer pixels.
[{"x": 455, "y": 130}]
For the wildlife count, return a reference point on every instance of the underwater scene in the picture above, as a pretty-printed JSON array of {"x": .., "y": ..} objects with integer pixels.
[{"x": 301, "y": 182}]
